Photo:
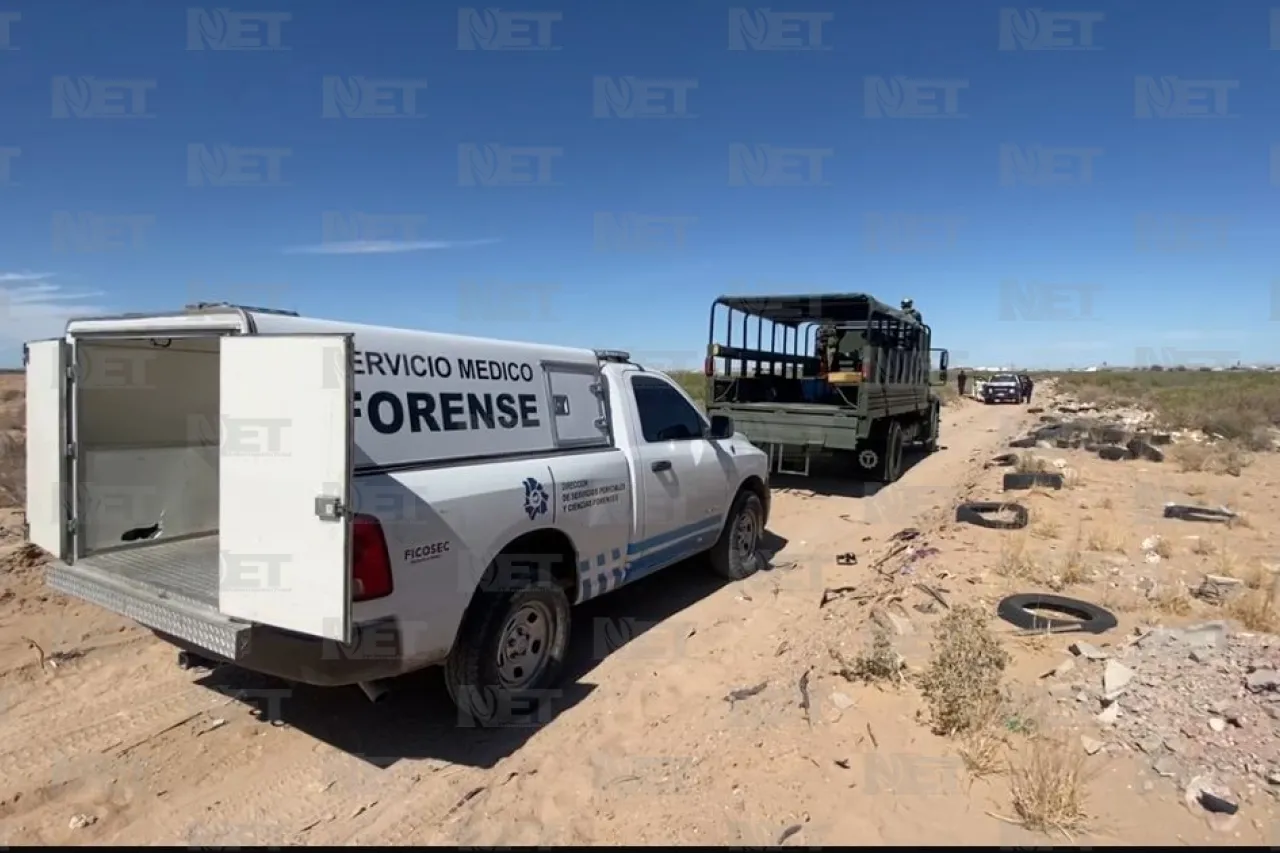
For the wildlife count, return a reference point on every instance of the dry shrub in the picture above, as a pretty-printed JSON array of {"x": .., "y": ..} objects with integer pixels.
[
  {"x": 1163, "y": 548},
  {"x": 1029, "y": 463},
  {"x": 1015, "y": 562},
  {"x": 962, "y": 680},
  {"x": 1212, "y": 458},
  {"x": 1104, "y": 540},
  {"x": 1049, "y": 785},
  {"x": 1203, "y": 547},
  {"x": 1255, "y": 609},
  {"x": 878, "y": 662},
  {"x": 1074, "y": 570},
  {"x": 1046, "y": 528},
  {"x": 1173, "y": 599},
  {"x": 13, "y": 469}
]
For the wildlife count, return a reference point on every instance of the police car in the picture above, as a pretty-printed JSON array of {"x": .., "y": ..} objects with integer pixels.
[{"x": 338, "y": 504}]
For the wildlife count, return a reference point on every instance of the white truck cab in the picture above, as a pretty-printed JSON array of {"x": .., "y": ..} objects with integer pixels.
[{"x": 338, "y": 504}]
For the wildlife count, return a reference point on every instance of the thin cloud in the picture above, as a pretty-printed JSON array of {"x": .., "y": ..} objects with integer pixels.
[
  {"x": 40, "y": 308},
  {"x": 384, "y": 247},
  {"x": 6, "y": 277}
]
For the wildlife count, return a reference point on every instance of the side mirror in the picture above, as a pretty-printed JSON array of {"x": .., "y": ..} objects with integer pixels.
[
  {"x": 942, "y": 376},
  {"x": 721, "y": 427}
]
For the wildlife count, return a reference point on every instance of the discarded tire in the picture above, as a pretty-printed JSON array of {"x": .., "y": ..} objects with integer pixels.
[
  {"x": 979, "y": 514},
  {"x": 1026, "y": 441},
  {"x": 1198, "y": 513},
  {"x": 1141, "y": 449},
  {"x": 1020, "y": 611},
  {"x": 1113, "y": 453},
  {"x": 1014, "y": 482},
  {"x": 1113, "y": 435},
  {"x": 1004, "y": 459}
]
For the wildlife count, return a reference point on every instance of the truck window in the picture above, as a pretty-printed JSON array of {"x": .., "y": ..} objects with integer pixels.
[{"x": 665, "y": 415}]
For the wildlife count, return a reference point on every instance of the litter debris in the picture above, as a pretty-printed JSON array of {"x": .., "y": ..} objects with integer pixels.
[{"x": 746, "y": 692}]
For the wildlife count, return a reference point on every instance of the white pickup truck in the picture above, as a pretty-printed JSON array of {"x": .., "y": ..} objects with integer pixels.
[{"x": 339, "y": 504}]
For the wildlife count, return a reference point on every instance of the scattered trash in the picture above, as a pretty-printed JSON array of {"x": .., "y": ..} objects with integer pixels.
[
  {"x": 80, "y": 821},
  {"x": 746, "y": 692},
  {"x": 1031, "y": 480},
  {"x": 848, "y": 558}
]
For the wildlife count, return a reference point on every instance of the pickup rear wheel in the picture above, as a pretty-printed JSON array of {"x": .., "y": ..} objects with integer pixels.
[
  {"x": 509, "y": 651},
  {"x": 736, "y": 555}
]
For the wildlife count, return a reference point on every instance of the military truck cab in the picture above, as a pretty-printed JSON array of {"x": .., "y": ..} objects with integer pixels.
[{"x": 841, "y": 377}]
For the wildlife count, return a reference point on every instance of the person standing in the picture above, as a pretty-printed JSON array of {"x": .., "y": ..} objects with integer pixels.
[
  {"x": 962, "y": 380},
  {"x": 1028, "y": 384}
]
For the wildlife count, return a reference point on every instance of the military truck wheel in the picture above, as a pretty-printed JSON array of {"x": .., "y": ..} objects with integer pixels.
[
  {"x": 935, "y": 429},
  {"x": 882, "y": 459}
]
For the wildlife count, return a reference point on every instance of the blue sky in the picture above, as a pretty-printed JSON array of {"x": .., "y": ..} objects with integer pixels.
[{"x": 413, "y": 164}]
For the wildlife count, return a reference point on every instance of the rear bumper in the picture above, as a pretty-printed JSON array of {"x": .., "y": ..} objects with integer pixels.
[{"x": 377, "y": 650}]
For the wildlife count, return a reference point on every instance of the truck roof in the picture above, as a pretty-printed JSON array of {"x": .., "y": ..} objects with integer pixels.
[{"x": 792, "y": 309}]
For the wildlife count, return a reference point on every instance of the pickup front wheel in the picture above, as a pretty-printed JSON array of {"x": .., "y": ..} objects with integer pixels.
[
  {"x": 508, "y": 654},
  {"x": 737, "y": 553}
]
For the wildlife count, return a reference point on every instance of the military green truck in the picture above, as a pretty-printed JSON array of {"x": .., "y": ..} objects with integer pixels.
[{"x": 838, "y": 377}]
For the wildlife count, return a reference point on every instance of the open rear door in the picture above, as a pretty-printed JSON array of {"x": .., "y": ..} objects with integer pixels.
[
  {"x": 285, "y": 482},
  {"x": 48, "y": 500}
]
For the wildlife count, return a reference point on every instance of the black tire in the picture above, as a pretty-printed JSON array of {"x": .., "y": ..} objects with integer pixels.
[
  {"x": 1026, "y": 441},
  {"x": 736, "y": 554},
  {"x": 1112, "y": 453},
  {"x": 1185, "y": 512},
  {"x": 1088, "y": 618},
  {"x": 1013, "y": 481},
  {"x": 977, "y": 514},
  {"x": 473, "y": 672},
  {"x": 1004, "y": 459},
  {"x": 935, "y": 429}
]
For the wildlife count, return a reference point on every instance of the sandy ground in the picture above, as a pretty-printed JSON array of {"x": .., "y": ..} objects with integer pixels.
[{"x": 104, "y": 740}]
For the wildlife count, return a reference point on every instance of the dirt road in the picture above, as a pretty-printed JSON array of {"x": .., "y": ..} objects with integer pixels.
[{"x": 104, "y": 740}]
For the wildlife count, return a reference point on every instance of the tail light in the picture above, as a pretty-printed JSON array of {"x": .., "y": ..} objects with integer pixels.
[
  {"x": 370, "y": 562},
  {"x": 866, "y": 371},
  {"x": 708, "y": 366}
]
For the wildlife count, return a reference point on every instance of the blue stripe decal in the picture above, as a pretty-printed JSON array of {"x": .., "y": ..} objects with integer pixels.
[
  {"x": 656, "y": 560},
  {"x": 673, "y": 535}
]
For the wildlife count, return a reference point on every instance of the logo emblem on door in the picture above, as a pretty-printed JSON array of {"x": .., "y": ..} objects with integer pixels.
[{"x": 535, "y": 498}]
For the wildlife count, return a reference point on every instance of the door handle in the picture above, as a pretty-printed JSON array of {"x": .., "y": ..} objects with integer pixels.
[{"x": 660, "y": 465}]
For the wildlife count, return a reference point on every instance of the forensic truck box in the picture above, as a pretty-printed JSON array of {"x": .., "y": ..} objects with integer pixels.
[{"x": 336, "y": 504}]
